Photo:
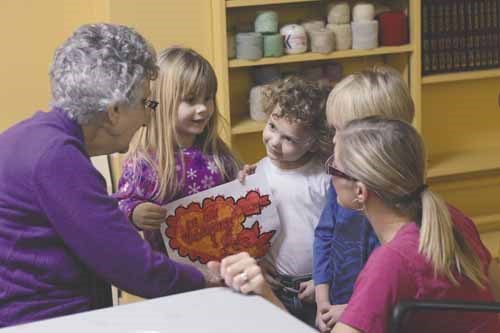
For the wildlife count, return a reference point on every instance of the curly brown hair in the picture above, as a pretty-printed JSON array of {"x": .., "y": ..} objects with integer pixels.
[{"x": 302, "y": 101}]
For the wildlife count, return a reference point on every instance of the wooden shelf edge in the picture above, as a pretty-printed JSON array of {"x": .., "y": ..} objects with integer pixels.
[
  {"x": 309, "y": 56},
  {"x": 436, "y": 173},
  {"x": 487, "y": 223},
  {"x": 463, "y": 163},
  {"x": 248, "y": 3},
  {"x": 462, "y": 76}
]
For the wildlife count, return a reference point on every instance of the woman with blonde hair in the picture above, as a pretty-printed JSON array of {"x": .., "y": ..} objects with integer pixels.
[
  {"x": 378, "y": 168},
  {"x": 180, "y": 151}
]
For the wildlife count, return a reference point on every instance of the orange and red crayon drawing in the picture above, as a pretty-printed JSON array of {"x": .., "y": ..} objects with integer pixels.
[{"x": 215, "y": 228}]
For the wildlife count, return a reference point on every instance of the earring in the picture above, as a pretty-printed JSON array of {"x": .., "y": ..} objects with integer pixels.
[{"x": 362, "y": 209}]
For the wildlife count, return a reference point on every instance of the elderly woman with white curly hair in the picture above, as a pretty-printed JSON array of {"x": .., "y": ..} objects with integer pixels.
[{"x": 62, "y": 238}]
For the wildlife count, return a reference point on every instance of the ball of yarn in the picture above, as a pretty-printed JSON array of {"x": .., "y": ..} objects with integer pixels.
[
  {"x": 343, "y": 35},
  {"x": 364, "y": 35},
  {"x": 257, "y": 102},
  {"x": 313, "y": 25},
  {"x": 322, "y": 40},
  {"x": 363, "y": 12},
  {"x": 393, "y": 28},
  {"x": 339, "y": 13},
  {"x": 294, "y": 38},
  {"x": 266, "y": 22},
  {"x": 249, "y": 45},
  {"x": 273, "y": 45}
]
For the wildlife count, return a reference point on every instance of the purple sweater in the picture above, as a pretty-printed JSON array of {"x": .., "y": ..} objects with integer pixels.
[
  {"x": 60, "y": 231},
  {"x": 198, "y": 172}
]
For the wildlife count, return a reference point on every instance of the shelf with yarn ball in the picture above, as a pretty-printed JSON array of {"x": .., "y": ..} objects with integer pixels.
[
  {"x": 310, "y": 56},
  {"x": 296, "y": 36}
]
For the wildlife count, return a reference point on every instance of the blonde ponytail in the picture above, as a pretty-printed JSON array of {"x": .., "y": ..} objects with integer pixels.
[{"x": 443, "y": 246}]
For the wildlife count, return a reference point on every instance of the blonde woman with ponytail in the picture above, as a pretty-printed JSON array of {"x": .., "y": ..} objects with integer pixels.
[
  {"x": 180, "y": 152},
  {"x": 378, "y": 168}
]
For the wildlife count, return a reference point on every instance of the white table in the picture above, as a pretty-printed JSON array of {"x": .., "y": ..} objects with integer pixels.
[{"x": 207, "y": 310}]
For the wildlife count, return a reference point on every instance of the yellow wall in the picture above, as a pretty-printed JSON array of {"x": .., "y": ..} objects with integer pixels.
[
  {"x": 168, "y": 22},
  {"x": 30, "y": 30}
]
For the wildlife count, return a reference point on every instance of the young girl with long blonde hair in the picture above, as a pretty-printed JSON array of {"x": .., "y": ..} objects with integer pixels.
[{"x": 180, "y": 152}]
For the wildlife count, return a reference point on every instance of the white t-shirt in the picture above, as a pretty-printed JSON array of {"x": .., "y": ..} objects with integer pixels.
[{"x": 301, "y": 196}]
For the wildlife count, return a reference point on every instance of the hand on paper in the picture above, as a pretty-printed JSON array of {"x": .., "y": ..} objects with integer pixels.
[
  {"x": 306, "y": 291},
  {"x": 148, "y": 216},
  {"x": 248, "y": 169},
  {"x": 327, "y": 315}
]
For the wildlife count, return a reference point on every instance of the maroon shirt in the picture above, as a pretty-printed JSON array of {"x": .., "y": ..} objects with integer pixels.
[
  {"x": 396, "y": 271},
  {"x": 60, "y": 231}
]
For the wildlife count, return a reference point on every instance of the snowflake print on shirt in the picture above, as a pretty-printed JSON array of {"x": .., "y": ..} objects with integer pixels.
[
  {"x": 191, "y": 174},
  {"x": 207, "y": 182},
  {"x": 193, "y": 188},
  {"x": 212, "y": 167}
]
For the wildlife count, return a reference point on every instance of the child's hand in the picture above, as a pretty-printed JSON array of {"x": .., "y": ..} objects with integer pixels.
[
  {"x": 306, "y": 291},
  {"x": 321, "y": 308},
  {"x": 248, "y": 169},
  {"x": 149, "y": 216},
  {"x": 328, "y": 315}
]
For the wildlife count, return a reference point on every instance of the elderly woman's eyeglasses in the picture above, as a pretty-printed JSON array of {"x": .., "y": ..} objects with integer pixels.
[
  {"x": 150, "y": 104},
  {"x": 333, "y": 171}
]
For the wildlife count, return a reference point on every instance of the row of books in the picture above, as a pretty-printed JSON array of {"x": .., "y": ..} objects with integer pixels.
[{"x": 460, "y": 35}]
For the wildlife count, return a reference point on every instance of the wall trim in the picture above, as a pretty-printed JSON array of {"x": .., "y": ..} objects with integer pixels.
[{"x": 487, "y": 223}]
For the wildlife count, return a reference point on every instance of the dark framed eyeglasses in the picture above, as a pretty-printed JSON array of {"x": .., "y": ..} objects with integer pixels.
[
  {"x": 150, "y": 104},
  {"x": 333, "y": 171}
]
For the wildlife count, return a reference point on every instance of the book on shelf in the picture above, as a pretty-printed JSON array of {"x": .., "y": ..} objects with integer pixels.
[{"x": 460, "y": 35}]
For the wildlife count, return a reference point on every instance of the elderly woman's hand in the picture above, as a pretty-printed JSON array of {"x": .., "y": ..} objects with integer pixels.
[
  {"x": 149, "y": 216},
  {"x": 242, "y": 273}
]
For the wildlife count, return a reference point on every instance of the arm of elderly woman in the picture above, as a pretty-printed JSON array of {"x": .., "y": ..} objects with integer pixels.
[
  {"x": 242, "y": 273},
  {"x": 88, "y": 221}
]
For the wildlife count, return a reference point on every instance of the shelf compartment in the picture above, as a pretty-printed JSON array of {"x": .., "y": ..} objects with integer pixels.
[
  {"x": 462, "y": 76},
  {"x": 487, "y": 223},
  {"x": 309, "y": 56},
  {"x": 465, "y": 162},
  {"x": 247, "y": 125},
  {"x": 248, "y": 3}
]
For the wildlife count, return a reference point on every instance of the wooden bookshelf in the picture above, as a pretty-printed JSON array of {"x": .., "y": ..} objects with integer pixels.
[
  {"x": 461, "y": 76},
  {"x": 487, "y": 223},
  {"x": 463, "y": 162}
]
